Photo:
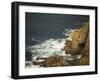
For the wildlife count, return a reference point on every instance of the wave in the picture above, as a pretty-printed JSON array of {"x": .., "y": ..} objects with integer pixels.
[
  {"x": 50, "y": 47},
  {"x": 67, "y": 32}
]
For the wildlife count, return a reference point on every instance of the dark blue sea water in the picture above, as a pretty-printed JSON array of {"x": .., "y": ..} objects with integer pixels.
[{"x": 42, "y": 26}]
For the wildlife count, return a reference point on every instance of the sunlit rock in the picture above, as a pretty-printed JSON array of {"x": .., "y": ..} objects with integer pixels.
[{"x": 79, "y": 43}]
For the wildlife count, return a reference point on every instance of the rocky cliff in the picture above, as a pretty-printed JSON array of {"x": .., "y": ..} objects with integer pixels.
[{"x": 79, "y": 44}]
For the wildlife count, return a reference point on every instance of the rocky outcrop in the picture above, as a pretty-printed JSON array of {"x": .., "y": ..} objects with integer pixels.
[
  {"x": 52, "y": 61},
  {"x": 79, "y": 44}
]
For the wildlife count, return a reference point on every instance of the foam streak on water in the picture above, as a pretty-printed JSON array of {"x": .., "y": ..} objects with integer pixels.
[{"x": 51, "y": 46}]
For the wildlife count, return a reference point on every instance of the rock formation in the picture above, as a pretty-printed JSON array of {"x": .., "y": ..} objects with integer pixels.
[
  {"x": 79, "y": 44},
  {"x": 54, "y": 61},
  {"x": 85, "y": 52}
]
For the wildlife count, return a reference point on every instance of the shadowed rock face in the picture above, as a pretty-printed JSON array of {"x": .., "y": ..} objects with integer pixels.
[{"x": 79, "y": 44}]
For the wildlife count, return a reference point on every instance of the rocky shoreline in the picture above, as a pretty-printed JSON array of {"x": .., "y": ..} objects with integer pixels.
[{"x": 76, "y": 51}]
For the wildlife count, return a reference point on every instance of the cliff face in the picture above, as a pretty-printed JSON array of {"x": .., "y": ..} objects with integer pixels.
[
  {"x": 79, "y": 44},
  {"x": 85, "y": 53},
  {"x": 79, "y": 36}
]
